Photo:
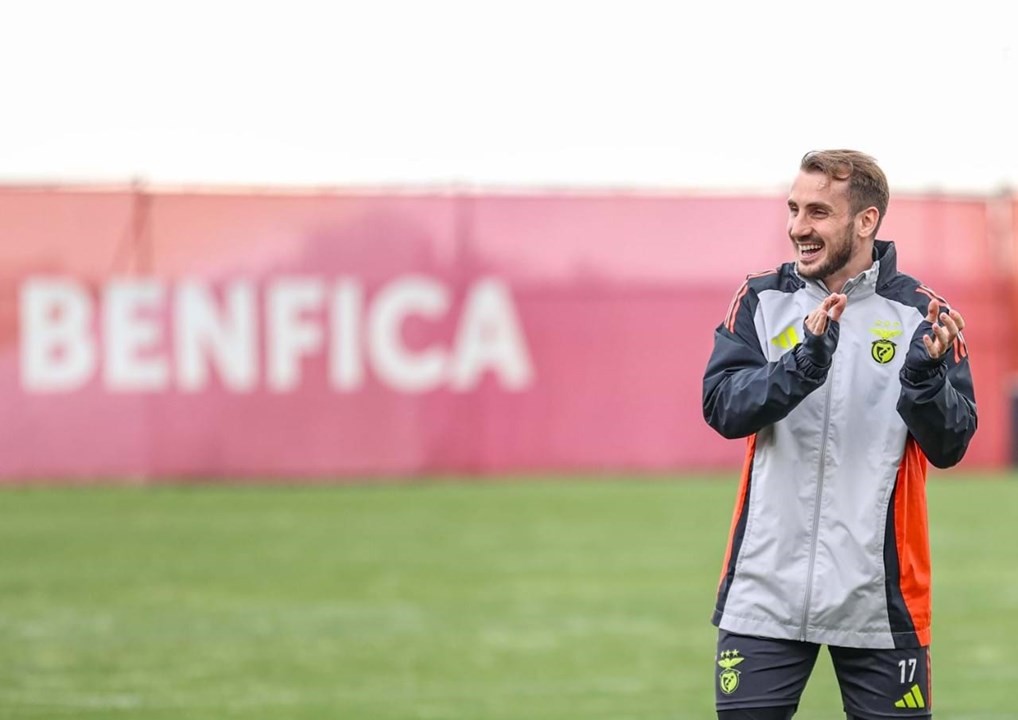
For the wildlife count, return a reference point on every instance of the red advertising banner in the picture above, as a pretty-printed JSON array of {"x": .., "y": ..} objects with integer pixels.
[{"x": 174, "y": 334}]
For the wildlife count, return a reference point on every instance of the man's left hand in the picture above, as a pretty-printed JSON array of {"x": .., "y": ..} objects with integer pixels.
[{"x": 946, "y": 328}]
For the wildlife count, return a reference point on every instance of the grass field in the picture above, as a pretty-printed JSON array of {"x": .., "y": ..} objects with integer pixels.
[{"x": 539, "y": 600}]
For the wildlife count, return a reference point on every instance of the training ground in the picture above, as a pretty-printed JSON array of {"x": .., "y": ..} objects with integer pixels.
[{"x": 530, "y": 598}]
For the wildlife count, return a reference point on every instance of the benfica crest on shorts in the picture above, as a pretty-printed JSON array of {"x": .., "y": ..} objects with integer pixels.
[{"x": 728, "y": 678}]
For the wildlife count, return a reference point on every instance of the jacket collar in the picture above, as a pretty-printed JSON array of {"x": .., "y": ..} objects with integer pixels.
[
  {"x": 884, "y": 268},
  {"x": 885, "y": 253}
]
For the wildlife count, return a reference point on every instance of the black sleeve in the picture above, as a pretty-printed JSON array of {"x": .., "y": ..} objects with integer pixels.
[
  {"x": 937, "y": 401},
  {"x": 742, "y": 391}
]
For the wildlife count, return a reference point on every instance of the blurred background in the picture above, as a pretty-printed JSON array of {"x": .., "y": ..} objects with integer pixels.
[{"x": 350, "y": 353}]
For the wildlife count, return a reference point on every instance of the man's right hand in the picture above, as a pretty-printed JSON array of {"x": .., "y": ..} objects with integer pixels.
[
  {"x": 832, "y": 306},
  {"x": 822, "y": 330}
]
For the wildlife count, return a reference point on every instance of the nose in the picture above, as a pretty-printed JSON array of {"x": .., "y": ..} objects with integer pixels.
[{"x": 798, "y": 226}]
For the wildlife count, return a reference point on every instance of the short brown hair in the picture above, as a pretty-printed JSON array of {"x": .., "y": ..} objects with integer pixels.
[{"x": 867, "y": 184}]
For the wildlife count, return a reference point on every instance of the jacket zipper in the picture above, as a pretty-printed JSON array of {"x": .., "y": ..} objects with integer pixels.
[{"x": 816, "y": 509}]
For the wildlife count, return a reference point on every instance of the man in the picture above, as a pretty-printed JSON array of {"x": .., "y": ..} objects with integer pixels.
[{"x": 846, "y": 376}]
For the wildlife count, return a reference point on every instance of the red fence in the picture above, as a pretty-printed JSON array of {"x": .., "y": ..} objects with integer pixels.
[{"x": 179, "y": 334}]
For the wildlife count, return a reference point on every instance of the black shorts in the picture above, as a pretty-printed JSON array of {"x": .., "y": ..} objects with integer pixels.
[{"x": 753, "y": 672}]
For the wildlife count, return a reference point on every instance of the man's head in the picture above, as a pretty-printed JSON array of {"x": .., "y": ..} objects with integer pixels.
[{"x": 836, "y": 205}]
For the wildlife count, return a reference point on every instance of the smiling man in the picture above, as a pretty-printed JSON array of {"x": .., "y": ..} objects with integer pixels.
[{"x": 846, "y": 376}]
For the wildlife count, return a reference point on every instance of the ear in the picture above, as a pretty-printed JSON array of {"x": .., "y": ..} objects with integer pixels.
[{"x": 866, "y": 222}]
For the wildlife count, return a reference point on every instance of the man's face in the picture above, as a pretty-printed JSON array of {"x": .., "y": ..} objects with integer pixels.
[{"x": 821, "y": 225}]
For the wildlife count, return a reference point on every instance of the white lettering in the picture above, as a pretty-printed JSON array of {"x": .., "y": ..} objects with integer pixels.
[
  {"x": 58, "y": 353},
  {"x": 205, "y": 336},
  {"x": 131, "y": 335},
  {"x": 392, "y": 361},
  {"x": 291, "y": 334},
  {"x": 489, "y": 338},
  {"x": 151, "y": 336},
  {"x": 346, "y": 362}
]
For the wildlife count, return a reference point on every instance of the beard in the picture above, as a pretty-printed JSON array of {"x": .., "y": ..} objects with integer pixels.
[{"x": 839, "y": 252}]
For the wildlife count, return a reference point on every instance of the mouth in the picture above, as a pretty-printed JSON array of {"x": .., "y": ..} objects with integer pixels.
[{"x": 809, "y": 250}]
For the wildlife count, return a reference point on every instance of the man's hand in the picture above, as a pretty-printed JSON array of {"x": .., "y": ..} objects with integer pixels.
[
  {"x": 822, "y": 331},
  {"x": 946, "y": 328},
  {"x": 832, "y": 306}
]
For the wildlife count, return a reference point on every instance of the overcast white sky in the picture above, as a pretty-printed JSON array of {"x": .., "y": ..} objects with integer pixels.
[{"x": 605, "y": 94}]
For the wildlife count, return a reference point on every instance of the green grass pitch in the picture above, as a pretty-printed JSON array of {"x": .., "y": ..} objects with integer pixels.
[{"x": 535, "y": 599}]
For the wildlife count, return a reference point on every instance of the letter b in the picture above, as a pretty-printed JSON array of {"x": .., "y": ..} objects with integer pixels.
[{"x": 58, "y": 351}]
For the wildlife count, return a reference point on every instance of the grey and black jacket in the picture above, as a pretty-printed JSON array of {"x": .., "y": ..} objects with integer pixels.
[{"x": 829, "y": 540}]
